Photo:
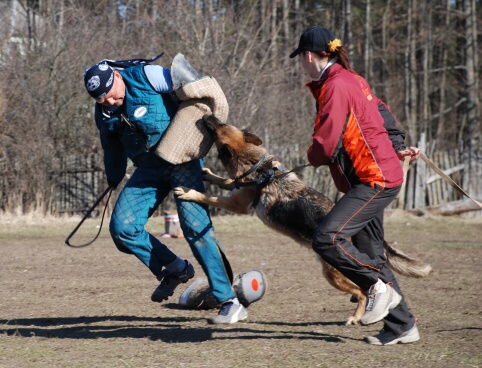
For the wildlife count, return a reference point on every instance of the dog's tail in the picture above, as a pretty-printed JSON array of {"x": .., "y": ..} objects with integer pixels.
[{"x": 405, "y": 265}]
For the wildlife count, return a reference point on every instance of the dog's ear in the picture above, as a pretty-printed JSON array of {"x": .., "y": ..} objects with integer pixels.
[{"x": 251, "y": 138}]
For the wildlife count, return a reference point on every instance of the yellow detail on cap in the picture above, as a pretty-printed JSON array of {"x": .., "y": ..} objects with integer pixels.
[{"x": 334, "y": 45}]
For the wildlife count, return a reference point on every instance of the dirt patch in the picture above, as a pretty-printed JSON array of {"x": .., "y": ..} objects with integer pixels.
[{"x": 90, "y": 307}]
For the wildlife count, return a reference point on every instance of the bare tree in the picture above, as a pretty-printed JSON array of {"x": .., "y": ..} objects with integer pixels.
[
  {"x": 410, "y": 61},
  {"x": 409, "y": 51},
  {"x": 473, "y": 154},
  {"x": 368, "y": 49},
  {"x": 441, "y": 126}
]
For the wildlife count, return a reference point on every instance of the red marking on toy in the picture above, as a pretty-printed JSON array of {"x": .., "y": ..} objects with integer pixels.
[{"x": 254, "y": 284}]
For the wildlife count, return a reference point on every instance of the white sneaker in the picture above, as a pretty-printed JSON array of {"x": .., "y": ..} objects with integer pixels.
[
  {"x": 381, "y": 298},
  {"x": 385, "y": 338},
  {"x": 230, "y": 313}
]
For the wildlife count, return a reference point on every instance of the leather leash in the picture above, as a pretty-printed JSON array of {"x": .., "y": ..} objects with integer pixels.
[
  {"x": 447, "y": 178},
  {"x": 67, "y": 241}
]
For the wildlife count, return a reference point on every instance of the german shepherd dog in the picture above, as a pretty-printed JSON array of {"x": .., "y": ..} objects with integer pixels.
[{"x": 281, "y": 201}]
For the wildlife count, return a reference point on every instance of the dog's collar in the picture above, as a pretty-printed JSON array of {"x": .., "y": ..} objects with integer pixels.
[
  {"x": 265, "y": 179},
  {"x": 260, "y": 183},
  {"x": 252, "y": 169}
]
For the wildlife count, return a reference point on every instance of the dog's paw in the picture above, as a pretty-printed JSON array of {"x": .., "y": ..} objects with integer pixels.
[
  {"x": 351, "y": 321},
  {"x": 208, "y": 175},
  {"x": 179, "y": 190}
]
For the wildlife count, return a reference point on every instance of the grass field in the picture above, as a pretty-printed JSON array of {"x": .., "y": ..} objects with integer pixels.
[{"x": 90, "y": 307}]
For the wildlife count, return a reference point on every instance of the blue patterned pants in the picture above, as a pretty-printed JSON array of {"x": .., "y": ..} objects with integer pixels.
[{"x": 141, "y": 196}]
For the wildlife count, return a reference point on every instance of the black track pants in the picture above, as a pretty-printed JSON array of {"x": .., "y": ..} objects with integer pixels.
[
  {"x": 400, "y": 319},
  {"x": 359, "y": 215}
]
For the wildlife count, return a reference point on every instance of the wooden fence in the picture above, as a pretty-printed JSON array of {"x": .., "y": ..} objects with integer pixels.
[
  {"x": 438, "y": 190},
  {"x": 78, "y": 180}
]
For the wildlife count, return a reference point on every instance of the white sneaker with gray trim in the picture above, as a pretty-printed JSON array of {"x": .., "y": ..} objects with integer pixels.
[
  {"x": 381, "y": 298},
  {"x": 230, "y": 313},
  {"x": 385, "y": 338}
]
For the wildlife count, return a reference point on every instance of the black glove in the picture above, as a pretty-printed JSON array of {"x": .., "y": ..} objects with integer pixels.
[
  {"x": 174, "y": 97},
  {"x": 112, "y": 184}
]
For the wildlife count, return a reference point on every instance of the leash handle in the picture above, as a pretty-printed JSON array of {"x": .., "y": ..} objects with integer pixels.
[
  {"x": 67, "y": 241},
  {"x": 447, "y": 178}
]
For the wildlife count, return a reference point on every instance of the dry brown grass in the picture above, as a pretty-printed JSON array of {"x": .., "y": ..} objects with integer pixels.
[{"x": 63, "y": 307}]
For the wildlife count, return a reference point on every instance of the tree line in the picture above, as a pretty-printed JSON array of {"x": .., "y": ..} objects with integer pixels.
[{"x": 422, "y": 58}]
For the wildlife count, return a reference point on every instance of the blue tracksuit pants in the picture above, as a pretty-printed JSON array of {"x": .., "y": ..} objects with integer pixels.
[{"x": 141, "y": 196}]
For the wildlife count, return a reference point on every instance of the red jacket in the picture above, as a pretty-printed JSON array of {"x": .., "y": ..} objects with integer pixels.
[{"x": 349, "y": 135}]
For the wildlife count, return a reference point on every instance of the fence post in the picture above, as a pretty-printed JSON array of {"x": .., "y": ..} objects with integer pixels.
[{"x": 420, "y": 177}]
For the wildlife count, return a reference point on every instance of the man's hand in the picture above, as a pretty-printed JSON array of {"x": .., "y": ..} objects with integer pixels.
[{"x": 412, "y": 152}]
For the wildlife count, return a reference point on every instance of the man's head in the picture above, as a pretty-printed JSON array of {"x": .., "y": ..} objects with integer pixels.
[
  {"x": 316, "y": 39},
  {"x": 105, "y": 84},
  {"x": 98, "y": 80}
]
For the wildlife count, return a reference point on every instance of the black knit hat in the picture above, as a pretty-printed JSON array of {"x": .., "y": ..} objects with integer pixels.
[{"x": 314, "y": 38}]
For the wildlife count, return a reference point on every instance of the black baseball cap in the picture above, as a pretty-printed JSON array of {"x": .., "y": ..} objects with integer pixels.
[
  {"x": 99, "y": 79},
  {"x": 314, "y": 38}
]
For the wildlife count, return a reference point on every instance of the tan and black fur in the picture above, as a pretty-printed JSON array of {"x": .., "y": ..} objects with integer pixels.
[{"x": 285, "y": 204}]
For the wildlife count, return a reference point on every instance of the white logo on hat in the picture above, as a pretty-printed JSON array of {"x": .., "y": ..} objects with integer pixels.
[
  {"x": 103, "y": 67},
  {"x": 109, "y": 82},
  {"x": 93, "y": 83},
  {"x": 140, "y": 111}
]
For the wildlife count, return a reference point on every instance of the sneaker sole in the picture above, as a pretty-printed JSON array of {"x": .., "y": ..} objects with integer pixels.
[
  {"x": 159, "y": 299},
  {"x": 404, "y": 340},
  {"x": 401, "y": 340}
]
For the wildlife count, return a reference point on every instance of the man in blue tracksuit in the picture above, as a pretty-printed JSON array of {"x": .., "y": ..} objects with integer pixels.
[{"x": 133, "y": 109}]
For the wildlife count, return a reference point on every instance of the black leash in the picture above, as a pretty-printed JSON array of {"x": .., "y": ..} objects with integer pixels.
[{"x": 67, "y": 241}]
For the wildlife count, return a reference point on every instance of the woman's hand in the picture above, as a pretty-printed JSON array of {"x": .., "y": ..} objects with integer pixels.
[{"x": 413, "y": 152}]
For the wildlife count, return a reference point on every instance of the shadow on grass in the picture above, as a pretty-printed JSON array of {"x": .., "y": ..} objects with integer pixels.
[{"x": 169, "y": 330}]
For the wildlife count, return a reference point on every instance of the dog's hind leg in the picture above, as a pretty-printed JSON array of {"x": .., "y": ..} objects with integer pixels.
[
  {"x": 360, "y": 308},
  {"x": 340, "y": 282}
]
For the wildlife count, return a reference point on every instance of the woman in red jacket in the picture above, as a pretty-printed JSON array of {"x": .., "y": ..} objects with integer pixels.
[{"x": 350, "y": 137}]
